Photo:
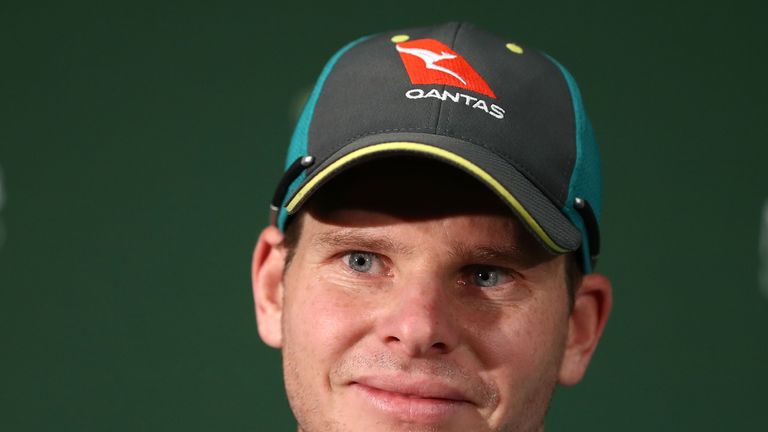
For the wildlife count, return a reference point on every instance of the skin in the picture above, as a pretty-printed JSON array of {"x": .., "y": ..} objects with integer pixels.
[{"x": 398, "y": 313}]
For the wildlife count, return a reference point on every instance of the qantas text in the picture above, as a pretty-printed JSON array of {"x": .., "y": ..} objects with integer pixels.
[{"x": 457, "y": 97}]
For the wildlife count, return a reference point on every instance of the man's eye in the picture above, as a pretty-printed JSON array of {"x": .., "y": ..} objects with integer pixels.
[
  {"x": 360, "y": 261},
  {"x": 487, "y": 277}
]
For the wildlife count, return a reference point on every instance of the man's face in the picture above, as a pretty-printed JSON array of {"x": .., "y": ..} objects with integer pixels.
[{"x": 419, "y": 304}]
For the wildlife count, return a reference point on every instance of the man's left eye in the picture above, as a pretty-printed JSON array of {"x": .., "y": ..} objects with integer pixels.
[{"x": 487, "y": 277}]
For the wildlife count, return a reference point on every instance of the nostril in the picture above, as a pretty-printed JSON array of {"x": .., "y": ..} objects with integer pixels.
[{"x": 439, "y": 345}]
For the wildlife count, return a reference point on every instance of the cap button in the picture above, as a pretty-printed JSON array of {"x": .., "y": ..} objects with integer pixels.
[
  {"x": 515, "y": 48},
  {"x": 307, "y": 161}
]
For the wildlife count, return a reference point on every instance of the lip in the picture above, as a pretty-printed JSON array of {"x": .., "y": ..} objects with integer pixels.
[{"x": 412, "y": 399}]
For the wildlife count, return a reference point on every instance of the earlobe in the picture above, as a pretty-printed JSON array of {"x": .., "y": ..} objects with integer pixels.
[
  {"x": 592, "y": 305},
  {"x": 267, "y": 279}
]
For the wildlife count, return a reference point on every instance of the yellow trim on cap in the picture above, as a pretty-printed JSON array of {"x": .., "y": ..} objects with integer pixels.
[{"x": 441, "y": 153}]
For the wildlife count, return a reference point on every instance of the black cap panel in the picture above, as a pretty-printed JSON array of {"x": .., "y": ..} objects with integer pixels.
[{"x": 365, "y": 94}]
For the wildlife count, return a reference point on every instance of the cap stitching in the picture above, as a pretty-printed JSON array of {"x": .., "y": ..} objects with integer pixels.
[{"x": 358, "y": 136}]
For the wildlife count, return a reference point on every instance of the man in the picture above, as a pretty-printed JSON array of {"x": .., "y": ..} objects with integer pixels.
[{"x": 430, "y": 262}]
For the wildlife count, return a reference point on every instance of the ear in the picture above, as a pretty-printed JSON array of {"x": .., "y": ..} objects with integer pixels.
[
  {"x": 267, "y": 280},
  {"x": 592, "y": 305}
]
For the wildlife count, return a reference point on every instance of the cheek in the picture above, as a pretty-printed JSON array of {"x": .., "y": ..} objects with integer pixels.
[
  {"x": 521, "y": 353},
  {"x": 319, "y": 327},
  {"x": 524, "y": 357},
  {"x": 529, "y": 341},
  {"x": 321, "y": 320}
]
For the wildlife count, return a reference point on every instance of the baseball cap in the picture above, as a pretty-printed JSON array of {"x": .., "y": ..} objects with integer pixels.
[{"x": 506, "y": 114}]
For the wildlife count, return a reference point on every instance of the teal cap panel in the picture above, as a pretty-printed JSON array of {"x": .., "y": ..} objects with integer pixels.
[
  {"x": 298, "y": 145},
  {"x": 586, "y": 179}
]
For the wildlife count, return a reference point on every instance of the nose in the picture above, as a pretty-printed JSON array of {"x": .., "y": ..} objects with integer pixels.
[{"x": 418, "y": 320}]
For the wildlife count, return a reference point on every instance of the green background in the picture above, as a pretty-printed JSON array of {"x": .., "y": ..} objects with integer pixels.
[{"x": 140, "y": 144}]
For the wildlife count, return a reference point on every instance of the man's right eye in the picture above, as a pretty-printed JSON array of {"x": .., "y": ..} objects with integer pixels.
[{"x": 362, "y": 262}]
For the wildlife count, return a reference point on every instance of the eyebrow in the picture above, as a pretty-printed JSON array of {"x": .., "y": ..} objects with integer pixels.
[
  {"x": 506, "y": 253},
  {"x": 360, "y": 239}
]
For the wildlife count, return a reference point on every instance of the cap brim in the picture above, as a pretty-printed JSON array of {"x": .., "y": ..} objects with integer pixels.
[{"x": 538, "y": 213}]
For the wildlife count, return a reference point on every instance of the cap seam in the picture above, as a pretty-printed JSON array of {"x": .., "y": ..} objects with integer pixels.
[{"x": 442, "y": 102}]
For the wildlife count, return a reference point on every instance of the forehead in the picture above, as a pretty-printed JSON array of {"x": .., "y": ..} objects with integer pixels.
[{"x": 416, "y": 190}]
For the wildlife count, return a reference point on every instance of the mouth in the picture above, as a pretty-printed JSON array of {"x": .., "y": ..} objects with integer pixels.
[{"x": 412, "y": 400}]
